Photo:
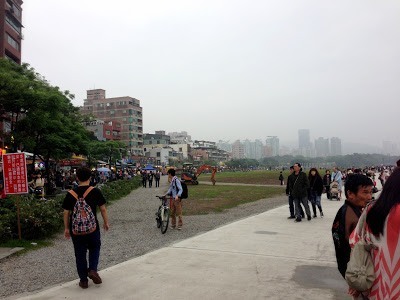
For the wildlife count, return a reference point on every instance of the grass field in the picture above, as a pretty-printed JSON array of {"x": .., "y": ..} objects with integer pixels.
[
  {"x": 204, "y": 198},
  {"x": 252, "y": 177}
]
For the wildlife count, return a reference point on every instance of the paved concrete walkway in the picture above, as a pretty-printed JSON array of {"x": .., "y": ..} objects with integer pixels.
[{"x": 265, "y": 256}]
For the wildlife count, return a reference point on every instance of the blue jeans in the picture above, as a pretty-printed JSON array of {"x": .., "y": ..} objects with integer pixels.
[
  {"x": 315, "y": 202},
  {"x": 83, "y": 243}
]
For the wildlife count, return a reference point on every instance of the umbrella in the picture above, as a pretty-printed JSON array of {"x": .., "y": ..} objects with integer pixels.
[
  {"x": 103, "y": 169},
  {"x": 149, "y": 168}
]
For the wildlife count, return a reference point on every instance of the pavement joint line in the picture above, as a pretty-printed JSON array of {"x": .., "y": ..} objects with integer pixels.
[{"x": 258, "y": 254}]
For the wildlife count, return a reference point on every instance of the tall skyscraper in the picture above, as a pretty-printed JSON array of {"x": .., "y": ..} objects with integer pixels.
[
  {"x": 305, "y": 147},
  {"x": 336, "y": 146},
  {"x": 304, "y": 139},
  {"x": 237, "y": 150},
  {"x": 11, "y": 29},
  {"x": 321, "y": 147},
  {"x": 125, "y": 110},
  {"x": 272, "y": 143}
]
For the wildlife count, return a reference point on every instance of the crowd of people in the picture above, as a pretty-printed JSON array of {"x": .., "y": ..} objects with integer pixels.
[{"x": 381, "y": 229}]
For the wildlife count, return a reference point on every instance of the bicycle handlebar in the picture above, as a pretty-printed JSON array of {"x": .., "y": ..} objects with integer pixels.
[{"x": 161, "y": 197}]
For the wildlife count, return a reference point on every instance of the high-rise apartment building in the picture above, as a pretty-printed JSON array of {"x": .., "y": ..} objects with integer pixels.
[
  {"x": 11, "y": 29},
  {"x": 336, "y": 146},
  {"x": 272, "y": 145},
  {"x": 305, "y": 146},
  {"x": 237, "y": 150},
  {"x": 304, "y": 139},
  {"x": 125, "y": 110},
  {"x": 321, "y": 147}
]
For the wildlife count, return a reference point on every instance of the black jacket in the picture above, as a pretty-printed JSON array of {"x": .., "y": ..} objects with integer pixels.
[
  {"x": 316, "y": 185},
  {"x": 297, "y": 185}
]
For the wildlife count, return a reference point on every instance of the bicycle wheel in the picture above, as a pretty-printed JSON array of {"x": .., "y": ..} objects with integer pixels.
[
  {"x": 164, "y": 220},
  {"x": 158, "y": 218}
]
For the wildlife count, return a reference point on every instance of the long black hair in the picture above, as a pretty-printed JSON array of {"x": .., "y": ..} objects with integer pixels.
[{"x": 389, "y": 197}]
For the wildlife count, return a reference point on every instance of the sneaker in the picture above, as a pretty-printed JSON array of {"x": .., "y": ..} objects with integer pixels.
[
  {"x": 309, "y": 218},
  {"x": 297, "y": 220},
  {"x": 172, "y": 227},
  {"x": 322, "y": 214},
  {"x": 291, "y": 217},
  {"x": 95, "y": 277},
  {"x": 83, "y": 284},
  {"x": 314, "y": 216},
  {"x": 179, "y": 228}
]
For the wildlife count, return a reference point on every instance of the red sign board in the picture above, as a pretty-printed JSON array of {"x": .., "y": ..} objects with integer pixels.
[{"x": 15, "y": 174}]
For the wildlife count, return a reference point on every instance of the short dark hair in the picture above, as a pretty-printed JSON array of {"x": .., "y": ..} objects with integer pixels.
[
  {"x": 355, "y": 181},
  {"x": 83, "y": 173},
  {"x": 171, "y": 171}
]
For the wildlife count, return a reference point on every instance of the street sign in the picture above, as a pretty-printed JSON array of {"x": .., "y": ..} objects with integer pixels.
[{"x": 15, "y": 173}]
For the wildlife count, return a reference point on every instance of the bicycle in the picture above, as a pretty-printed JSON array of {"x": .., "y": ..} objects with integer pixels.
[{"x": 162, "y": 214}]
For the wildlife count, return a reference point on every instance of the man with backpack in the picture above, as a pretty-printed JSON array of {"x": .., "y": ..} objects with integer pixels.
[
  {"x": 81, "y": 224},
  {"x": 175, "y": 190},
  {"x": 358, "y": 192}
]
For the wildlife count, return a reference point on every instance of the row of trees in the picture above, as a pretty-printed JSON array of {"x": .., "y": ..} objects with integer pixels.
[
  {"x": 42, "y": 119},
  {"x": 353, "y": 160}
]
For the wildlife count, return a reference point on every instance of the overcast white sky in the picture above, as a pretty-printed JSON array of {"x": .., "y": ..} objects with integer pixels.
[{"x": 229, "y": 69}]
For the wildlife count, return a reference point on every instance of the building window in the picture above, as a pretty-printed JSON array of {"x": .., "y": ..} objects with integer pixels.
[
  {"x": 158, "y": 154},
  {"x": 107, "y": 132},
  {"x": 13, "y": 24},
  {"x": 12, "y": 42}
]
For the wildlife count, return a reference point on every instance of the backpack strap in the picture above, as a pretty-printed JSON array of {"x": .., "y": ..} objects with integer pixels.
[{"x": 75, "y": 195}]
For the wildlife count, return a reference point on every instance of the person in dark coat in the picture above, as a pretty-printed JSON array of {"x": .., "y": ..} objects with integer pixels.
[{"x": 315, "y": 191}]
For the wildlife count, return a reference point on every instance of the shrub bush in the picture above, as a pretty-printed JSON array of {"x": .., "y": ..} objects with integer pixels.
[{"x": 41, "y": 219}]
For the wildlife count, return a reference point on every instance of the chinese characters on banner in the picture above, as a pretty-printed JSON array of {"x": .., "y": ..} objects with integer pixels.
[{"x": 15, "y": 174}]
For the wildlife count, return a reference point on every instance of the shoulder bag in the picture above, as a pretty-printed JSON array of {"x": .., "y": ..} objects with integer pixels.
[{"x": 360, "y": 273}]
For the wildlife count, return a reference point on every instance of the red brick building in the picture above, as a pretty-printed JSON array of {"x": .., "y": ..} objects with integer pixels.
[{"x": 11, "y": 29}]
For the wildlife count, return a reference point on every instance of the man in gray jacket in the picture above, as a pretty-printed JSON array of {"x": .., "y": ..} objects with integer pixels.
[{"x": 298, "y": 185}]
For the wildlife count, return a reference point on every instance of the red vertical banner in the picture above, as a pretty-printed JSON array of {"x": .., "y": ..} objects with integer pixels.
[{"x": 15, "y": 173}]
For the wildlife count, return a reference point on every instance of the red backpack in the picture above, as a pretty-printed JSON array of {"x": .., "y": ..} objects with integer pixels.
[{"x": 83, "y": 218}]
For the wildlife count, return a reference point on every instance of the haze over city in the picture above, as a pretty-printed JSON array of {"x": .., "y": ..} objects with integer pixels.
[{"x": 229, "y": 69}]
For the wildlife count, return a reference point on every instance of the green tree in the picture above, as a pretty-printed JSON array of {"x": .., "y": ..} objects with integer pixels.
[{"x": 43, "y": 119}]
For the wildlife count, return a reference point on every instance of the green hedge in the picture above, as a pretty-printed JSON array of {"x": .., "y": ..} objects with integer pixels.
[{"x": 41, "y": 219}]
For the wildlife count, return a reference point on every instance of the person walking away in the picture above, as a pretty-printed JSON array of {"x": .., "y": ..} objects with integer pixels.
[
  {"x": 150, "y": 179},
  {"x": 144, "y": 178},
  {"x": 85, "y": 240},
  {"x": 281, "y": 178},
  {"x": 358, "y": 192},
  {"x": 315, "y": 191},
  {"x": 327, "y": 183},
  {"x": 157, "y": 178},
  {"x": 337, "y": 176},
  {"x": 298, "y": 186},
  {"x": 175, "y": 191},
  {"x": 382, "y": 227}
]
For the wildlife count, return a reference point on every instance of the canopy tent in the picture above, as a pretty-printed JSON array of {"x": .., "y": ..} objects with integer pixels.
[
  {"x": 103, "y": 169},
  {"x": 149, "y": 168}
]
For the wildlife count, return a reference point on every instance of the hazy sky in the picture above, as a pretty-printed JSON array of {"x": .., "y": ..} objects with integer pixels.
[{"x": 229, "y": 69}]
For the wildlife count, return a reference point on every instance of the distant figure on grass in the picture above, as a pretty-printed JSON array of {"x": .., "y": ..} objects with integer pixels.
[
  {"x": 297, "y": 186},
  {"x": 175, "y": 191},
  {"x": 315, "y": 191},
  {"x": 81, "y": 224},
  {"x": 382, "y": 227},
  {"x": 281, "y": 178},
  {"x": 358, "y": 192}
]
